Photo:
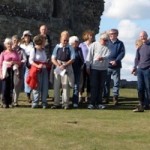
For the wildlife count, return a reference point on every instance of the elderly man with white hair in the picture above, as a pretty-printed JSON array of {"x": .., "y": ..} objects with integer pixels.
[
  {"x": 77, "y": 67},
  {"x": 97, "y": 64}
]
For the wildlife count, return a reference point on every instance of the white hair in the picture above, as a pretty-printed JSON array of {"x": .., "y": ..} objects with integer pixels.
[
  {"x": 73, "y": 39},
  {"x": 7, "y": 40}
]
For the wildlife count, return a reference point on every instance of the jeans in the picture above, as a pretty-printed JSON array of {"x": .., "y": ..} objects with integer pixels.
[
  {"x": 97, "y": 78},
  {"x": 115, "y": 74},
  {"x": 77, "y": 74},
  {"x": 143, "y": 76},
  {"x": 41, "y": 91},
  {"x": 27, "y": 89}
]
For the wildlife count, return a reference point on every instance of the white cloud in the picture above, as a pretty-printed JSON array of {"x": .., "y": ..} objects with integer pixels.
[
  {"x": 130, "y": 17},
  {"x": 128, "y": 30},
  {"x": 128, "y": 9}
]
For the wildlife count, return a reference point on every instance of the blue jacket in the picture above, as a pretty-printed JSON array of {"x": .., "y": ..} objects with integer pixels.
[{"x": 117, "y": 52}]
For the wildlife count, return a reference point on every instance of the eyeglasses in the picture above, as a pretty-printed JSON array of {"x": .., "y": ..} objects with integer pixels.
[{"x": 113, "y": 33}]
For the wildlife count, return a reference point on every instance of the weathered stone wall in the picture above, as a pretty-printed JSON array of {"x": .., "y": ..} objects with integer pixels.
[{"x": 73, "y": 15}]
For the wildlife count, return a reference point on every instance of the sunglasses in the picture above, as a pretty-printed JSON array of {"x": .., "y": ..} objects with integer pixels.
[{"x": 113, "y": 33}]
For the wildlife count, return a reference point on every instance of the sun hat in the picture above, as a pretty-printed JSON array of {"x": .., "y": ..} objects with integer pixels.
[{"x": 26, "y": 32}]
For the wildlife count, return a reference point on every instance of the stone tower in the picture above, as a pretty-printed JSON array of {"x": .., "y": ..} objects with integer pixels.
[{"x": 73, "y": 15}]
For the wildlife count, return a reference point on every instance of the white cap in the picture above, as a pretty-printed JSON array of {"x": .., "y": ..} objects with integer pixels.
[
  {"x": 7, "y": 40},
  {"x": 73, "y": 39},
  {"x": 27, "y": 32}
]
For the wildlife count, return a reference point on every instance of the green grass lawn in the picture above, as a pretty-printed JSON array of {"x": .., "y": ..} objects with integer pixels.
[{"x": 115, "y": 128}]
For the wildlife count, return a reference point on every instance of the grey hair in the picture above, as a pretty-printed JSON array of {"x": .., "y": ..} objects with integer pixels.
[{"x": 104, "y": 36}]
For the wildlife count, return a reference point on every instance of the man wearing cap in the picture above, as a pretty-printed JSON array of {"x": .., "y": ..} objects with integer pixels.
[{"x": 117, "y": 53}]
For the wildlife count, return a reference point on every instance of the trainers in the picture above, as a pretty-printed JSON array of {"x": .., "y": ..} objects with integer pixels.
[
  {"x": 90, "y": 106},
  {"x": 34, "y": 106},
  {"x": 15, "y": 105},
  {"x": 101, "y": 106},
  {"x": 75, "y": 105},
  {"x": 66, "y": 107},
  {"x": 139, "y": 109},
  {"x": 44, "y": 107},
  {"x": 55, "y": 107}
]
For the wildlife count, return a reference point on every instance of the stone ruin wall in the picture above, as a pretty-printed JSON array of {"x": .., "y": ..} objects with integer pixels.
[{"x": 73, "y": 15}]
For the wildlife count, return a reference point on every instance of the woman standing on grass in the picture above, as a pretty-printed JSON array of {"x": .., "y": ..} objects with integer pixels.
[
  {"x": 38, "y": 74},
  {"x": 87, "y": 37},
  {"x": 18, "y": 78},
  {"x": 9, "y": 64},
  {"x": 27, "y": 44}
]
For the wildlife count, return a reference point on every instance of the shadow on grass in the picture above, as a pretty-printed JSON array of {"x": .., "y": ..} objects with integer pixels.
[{"x": 124, "y": 103}]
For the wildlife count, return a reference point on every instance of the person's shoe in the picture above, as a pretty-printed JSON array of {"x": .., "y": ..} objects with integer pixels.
[
  {"x": 75, "y": 105},
  {"x": 90, "y": 106},
  {"x": 11, "y": 106},
  {"x": 55, "y": 107},
  {"x": 146, "y": 107},
  {"x": 115, "y": 100},
  {"x": 66, "y": 107},
  {"x": 34, "y": 106},
  {"x": 100, "y": 106},
  {"x": 139, "y": 109},
  {"x": 15, "y": 105},
  {"x": 5, "y": 106},
  {"x": 44, "y": 107},
  {"x": 106, "y": 100}
]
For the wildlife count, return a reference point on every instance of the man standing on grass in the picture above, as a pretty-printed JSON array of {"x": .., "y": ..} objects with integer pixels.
[
  {"x": 142, "y": 60},
  {"x": 117, "y": 52}
]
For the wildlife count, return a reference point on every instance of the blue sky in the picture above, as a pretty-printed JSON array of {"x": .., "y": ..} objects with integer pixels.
[{"x": 130, "y": 17}]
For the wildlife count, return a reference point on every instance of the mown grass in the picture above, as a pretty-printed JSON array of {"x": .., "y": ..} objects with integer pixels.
[{"x": 115, "y": 128}]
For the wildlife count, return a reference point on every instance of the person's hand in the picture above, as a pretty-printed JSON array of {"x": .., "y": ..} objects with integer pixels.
[
  {"x": 62, "y": 67},
  {"x": 113, "y": 63},
  {"x": 99, "y": 58},
  {"x": 40, "y": 66},
  {"x": 134, "y": 71}
]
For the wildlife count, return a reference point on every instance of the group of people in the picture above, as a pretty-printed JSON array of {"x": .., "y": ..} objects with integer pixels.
[{"x": 88, "y": 65}]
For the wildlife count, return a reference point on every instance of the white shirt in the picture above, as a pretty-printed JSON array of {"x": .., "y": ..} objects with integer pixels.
[{"x": 27, "y": 48}]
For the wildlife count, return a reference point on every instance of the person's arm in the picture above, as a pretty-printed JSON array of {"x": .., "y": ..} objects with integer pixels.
[
  {"x": 136, "y": 61},
  {"x": 121, "y": 52},
  {"x": 89, "y": 58},
  {"x": 54, "y": 57}
]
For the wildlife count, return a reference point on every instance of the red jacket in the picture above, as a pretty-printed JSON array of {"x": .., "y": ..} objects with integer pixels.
[{"x": 32, "y": 78}]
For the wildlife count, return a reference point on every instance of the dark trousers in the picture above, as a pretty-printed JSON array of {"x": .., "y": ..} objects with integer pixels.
[
  {"x": 97, "y": 78},
  {"x": 7, "y": 88},
  {"x": 143, "y": 82},
  {"x": 86, "y": 80}
]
